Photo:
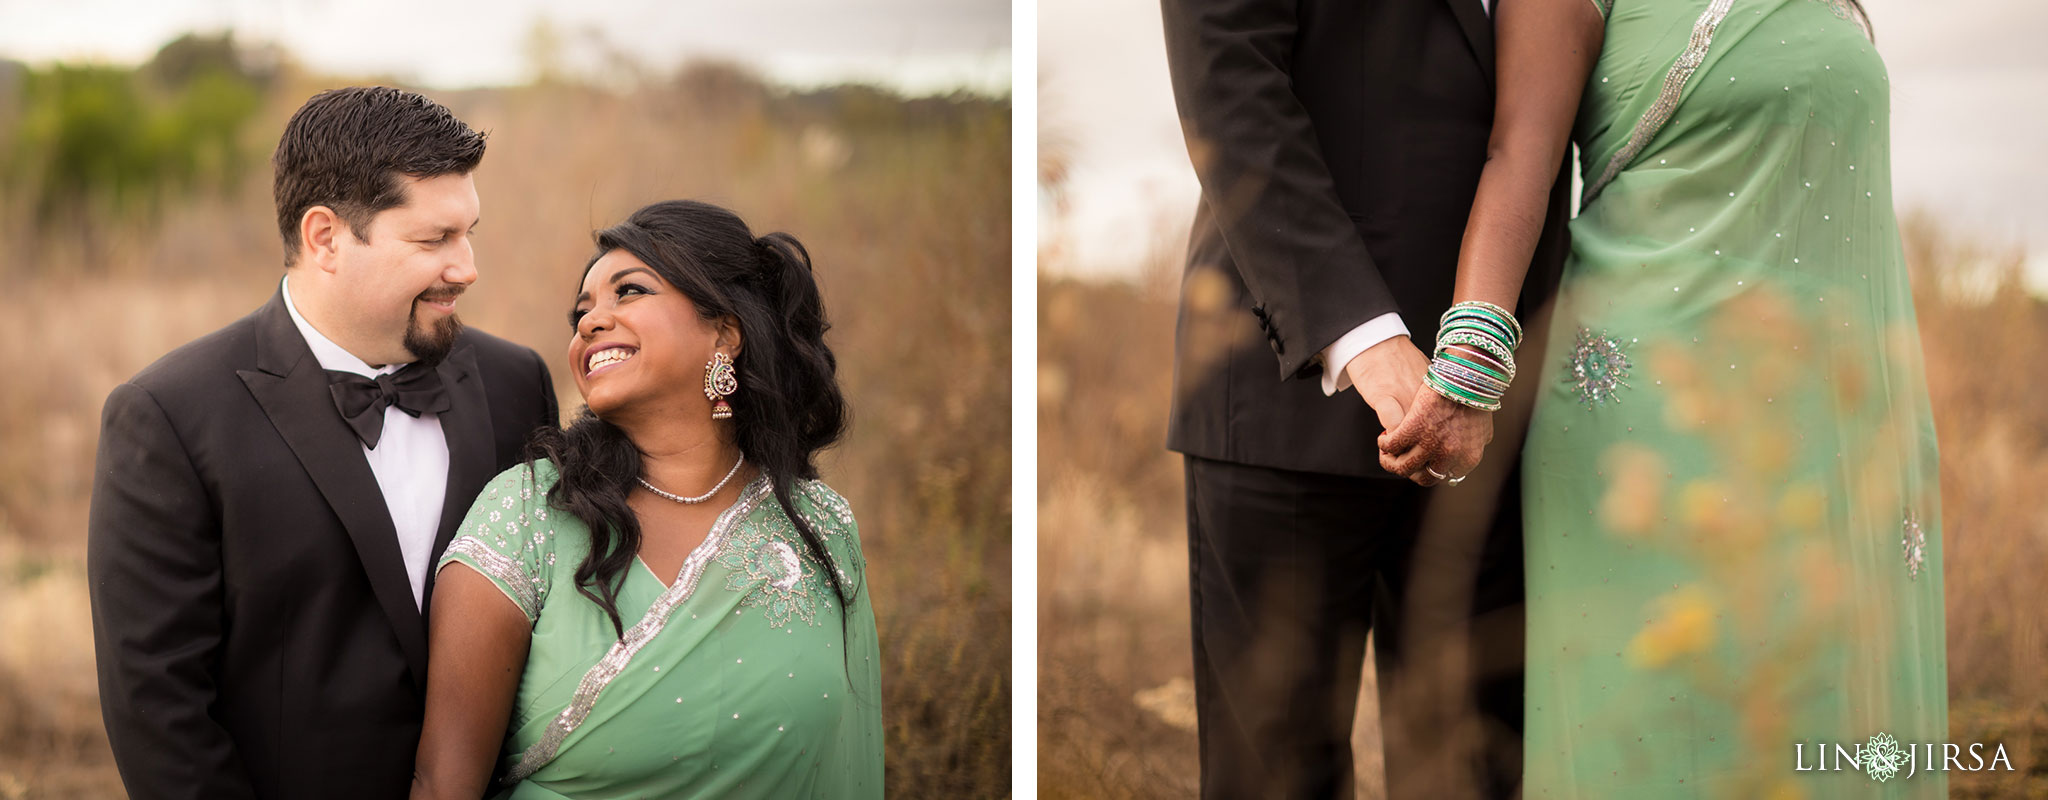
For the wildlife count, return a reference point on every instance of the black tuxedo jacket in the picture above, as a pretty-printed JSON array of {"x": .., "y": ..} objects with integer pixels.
[
  {"x": 1339, "y": 145},
  {"x": 255, "y": 627}
]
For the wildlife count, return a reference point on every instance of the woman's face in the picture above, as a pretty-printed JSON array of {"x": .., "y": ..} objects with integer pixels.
[{"x": 639, "y": 344}]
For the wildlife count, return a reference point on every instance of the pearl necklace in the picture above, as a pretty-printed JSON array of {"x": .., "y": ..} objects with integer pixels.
[{"x": 691, "y": 501}]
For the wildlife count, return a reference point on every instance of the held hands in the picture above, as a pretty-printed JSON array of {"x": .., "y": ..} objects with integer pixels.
[
  {"x": 1386, "y": 376},
  {"x": 1424, "y": 431},
  {"x": 1450, "y": 422},
  {"x": 1438, "y": 435}
]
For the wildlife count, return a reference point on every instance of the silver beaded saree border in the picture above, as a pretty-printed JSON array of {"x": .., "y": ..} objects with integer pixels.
[
  {"x": 517, "y": 584},
  {"x": 615, "y": 661},
  {"x": 1667, "y": 97}
]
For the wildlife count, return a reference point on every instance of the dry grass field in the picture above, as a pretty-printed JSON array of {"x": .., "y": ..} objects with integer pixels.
[
  {"x": 904, "y": 204},
  {"x": 1115, "y": 701}
]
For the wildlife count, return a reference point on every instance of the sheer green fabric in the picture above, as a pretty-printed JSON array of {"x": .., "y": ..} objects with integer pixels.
[
  {"x": 738, "y": 680},
  {"x": 1733, "y": 514}
]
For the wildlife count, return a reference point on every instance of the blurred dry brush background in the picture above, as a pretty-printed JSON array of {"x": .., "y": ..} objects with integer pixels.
[
  {"x": 135, "y": 215},
  {"x": 1116, "y": 702}
]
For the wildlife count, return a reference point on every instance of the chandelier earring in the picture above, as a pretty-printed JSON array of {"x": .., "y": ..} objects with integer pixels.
[{"x": 720, "y": 380}]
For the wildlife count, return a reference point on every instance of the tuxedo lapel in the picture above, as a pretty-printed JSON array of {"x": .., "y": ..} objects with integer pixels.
[
  {"x": 471, "y": 448},
  {"x": 292, "y": 389},
  {"x": 1478, "y": 27}
]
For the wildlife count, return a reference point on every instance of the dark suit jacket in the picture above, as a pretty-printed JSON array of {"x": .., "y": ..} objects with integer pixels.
[
  {"x": 255, "y": 627},
  {"x": 1339, "y": 145}
]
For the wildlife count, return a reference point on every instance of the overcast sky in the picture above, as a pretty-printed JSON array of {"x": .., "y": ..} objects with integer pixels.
[
  {"x": 1969, "y": 119},
  {"x": 915, "y": 45}
]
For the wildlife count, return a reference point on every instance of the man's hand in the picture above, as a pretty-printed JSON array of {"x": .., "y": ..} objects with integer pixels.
[
  {"x": 1439, "y": 435},
  {"x": 1386, "y": 376}
]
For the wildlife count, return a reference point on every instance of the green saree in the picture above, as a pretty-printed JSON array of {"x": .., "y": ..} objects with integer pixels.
[
  {"x": 741, "y": 679},
  {"x": 1733, "y": 512}
]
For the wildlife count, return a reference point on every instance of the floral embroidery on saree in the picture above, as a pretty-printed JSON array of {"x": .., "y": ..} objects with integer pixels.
[
  {"x": 773, "y": 566},
  {"x": 777, "y": 573}
]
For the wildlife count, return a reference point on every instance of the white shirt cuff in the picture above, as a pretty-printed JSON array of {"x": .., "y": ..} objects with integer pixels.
[{"x": 1360, "y": 339}]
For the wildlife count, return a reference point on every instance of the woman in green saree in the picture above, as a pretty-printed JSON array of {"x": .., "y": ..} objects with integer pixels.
[
  {"x": 1730, "y": 477},
  {"x": 596, "y": 635}
]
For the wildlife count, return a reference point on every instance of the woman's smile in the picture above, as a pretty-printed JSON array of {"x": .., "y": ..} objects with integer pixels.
[{"x": 605, "y": 357}]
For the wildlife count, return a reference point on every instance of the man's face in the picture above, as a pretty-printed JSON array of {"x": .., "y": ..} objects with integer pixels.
[{"x": 400, "y": 286}]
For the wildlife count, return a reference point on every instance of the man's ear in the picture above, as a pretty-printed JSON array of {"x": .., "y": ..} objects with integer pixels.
[
  {"x": 729, "y": 336},
  {"x": 320, "y": 232}
]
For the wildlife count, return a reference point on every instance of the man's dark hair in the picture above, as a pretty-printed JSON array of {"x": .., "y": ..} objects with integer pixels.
[{"x": 347, "y": 148}]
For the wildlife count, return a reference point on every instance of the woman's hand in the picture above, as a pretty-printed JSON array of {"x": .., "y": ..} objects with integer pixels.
[{"x": 1439, "y": 435}]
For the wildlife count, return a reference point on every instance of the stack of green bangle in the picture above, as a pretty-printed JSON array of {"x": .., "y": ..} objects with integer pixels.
[{"x": 1466, "y": 377}]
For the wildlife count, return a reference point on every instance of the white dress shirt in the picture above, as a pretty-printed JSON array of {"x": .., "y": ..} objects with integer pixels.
[
  {"x": 410, "y": 460},
  {"x": 1373, "y": 331},
  {"x": 1339, "y": 353}
]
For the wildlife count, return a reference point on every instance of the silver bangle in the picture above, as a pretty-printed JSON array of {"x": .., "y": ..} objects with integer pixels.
[
  {"x": 1493, "y": 348},
  {"x": 1485, "y": 383}
]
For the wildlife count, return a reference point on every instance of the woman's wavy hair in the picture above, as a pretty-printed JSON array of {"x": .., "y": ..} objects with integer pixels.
[{"x": 787, "y": 408}]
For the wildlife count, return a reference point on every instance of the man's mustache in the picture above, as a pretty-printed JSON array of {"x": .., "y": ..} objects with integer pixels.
[{"x": 443, "y": 294}]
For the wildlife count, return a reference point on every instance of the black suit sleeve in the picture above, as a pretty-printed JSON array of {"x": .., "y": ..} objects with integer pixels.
[
  {"x": 1263, "y": 175},
  {"x": 553, "y": 413},
  {"x": 153, "y": 560}
]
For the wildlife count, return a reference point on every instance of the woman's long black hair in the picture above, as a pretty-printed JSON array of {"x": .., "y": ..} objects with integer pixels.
[{"x": 788, "y": 406}]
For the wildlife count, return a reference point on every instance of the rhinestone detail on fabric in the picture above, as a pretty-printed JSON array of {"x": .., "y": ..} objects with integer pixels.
[
  {"x": 1599, "y": 368},
  {"x": 1913, "y": 542}
]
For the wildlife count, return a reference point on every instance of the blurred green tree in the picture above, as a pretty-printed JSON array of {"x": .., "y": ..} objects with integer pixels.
[{"x": 94, "y": 146}]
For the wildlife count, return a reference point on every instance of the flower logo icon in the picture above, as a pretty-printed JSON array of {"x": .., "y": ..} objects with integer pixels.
[{"x": 1882, "y": 757}]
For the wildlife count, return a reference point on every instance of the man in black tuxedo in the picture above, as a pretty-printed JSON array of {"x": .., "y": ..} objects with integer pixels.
[
  {"x": 1339, "y": 145},
  {"x": 269, "y": 499}
]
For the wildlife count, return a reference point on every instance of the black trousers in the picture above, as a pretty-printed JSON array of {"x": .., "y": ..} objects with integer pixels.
[{"x": 1289, "y": 573}]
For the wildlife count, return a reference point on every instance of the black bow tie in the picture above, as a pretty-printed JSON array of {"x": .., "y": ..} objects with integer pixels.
[{"x": 361, "y": 401}]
